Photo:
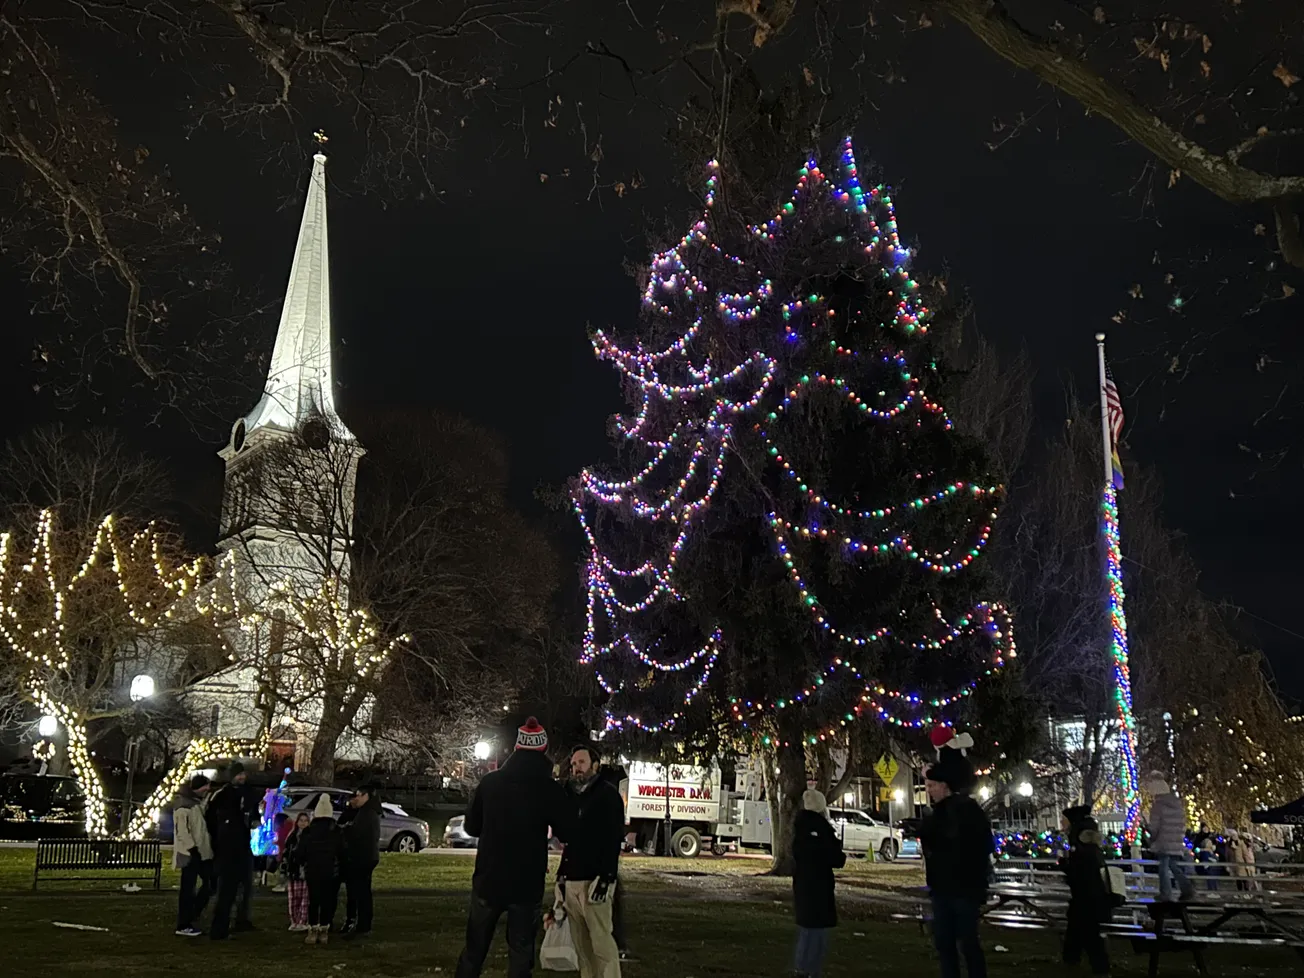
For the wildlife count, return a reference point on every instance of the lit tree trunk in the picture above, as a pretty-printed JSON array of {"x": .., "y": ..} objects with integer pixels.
[
  {"x": 785, "y": 800},
  {"x": 321, "y": 762}
]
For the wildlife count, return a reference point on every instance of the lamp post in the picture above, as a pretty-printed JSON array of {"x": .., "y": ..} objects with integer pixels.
[
  {"x": 142, "y": 688},
  {"x": 482, "y": 750},
  {"x": 48, "y": 726}
]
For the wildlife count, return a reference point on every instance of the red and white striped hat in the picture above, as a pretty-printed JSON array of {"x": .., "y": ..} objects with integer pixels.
[{"x": 531, "y": 736}]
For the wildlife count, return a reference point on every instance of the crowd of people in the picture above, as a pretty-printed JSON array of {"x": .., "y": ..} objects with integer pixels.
[
  {"x": 317, "y": 855},
  {"x": 521, "y": 809}
]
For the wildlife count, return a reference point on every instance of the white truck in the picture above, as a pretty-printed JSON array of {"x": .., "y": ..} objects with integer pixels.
[{"x": 700, "y": 807}]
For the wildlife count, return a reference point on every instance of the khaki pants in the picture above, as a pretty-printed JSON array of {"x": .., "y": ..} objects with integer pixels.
[{"x": 590, "y": 925}]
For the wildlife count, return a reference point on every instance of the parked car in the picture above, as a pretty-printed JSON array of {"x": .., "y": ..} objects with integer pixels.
[
  {"x": 455, "y": 835},
  {"x": 861, "y": 834},
  {"x": 399, "y": 831},
  {"x": 41, "y": 806}
]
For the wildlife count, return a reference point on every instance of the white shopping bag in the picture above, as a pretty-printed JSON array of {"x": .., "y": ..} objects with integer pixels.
[{"x": 558, "y": 951}]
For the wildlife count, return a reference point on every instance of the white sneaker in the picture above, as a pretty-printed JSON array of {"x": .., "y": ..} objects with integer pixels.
[
  {"x": 190, "y": 932},
  {"x": 298, "y": 927}
]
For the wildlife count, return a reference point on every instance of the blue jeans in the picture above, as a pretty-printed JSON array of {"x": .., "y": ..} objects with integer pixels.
[
  {"x": 1173, "y": 866},
  {"x": 955, "y": 930},
  {"x": 812, "y": 948}
]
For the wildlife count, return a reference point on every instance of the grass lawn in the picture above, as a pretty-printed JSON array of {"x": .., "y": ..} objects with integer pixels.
[{"x": 684, "y": 925}]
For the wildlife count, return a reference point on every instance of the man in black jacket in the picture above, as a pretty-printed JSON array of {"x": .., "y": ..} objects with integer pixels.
[
  {"x": 511, "y": 815},
  {"x": 232, "y": 814},
  {"x": 589, "y": 866},
  {"x": 958, "y": 846},
  {"x": 361, "y": 825}
]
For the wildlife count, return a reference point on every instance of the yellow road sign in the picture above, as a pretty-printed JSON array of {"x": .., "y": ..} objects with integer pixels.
[{"x": 886, "y": 767}]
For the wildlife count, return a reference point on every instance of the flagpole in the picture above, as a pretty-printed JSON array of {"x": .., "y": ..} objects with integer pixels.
[
  {"x": 1129, "y": 775},
  {"x": 1106, "y": 440}
]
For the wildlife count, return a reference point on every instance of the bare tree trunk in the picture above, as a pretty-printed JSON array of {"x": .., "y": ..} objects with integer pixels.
[
  {"x": 785, "y": 800},
  {"x": 848, "y": 772},
  {"x": 321, "y": 762}
]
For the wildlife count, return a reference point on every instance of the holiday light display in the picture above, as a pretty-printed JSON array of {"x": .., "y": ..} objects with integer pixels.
[
  {"x": 274, "y": 801},
  {"x": 740, "y": 346},
  {"x": 42, "y": 622},
  {"x": 199, "y": 752},
  {"x": 1130, "y": 781}
]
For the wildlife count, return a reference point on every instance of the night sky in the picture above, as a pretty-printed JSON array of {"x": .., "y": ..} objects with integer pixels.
[{"x": 479, "y": 303}]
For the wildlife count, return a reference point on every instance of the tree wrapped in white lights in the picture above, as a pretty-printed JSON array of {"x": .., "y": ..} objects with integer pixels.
[
  {"x": 74, "y": 620},
  {"x": 323, "y": 661}
]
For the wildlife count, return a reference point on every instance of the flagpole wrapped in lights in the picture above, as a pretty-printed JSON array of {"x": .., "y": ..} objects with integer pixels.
[{"x": 1111, "y": 420}]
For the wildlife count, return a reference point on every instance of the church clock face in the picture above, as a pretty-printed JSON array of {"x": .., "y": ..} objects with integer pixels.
[
  {"x": 315, "y": 433},
  {"x": 238, "y": 436}
]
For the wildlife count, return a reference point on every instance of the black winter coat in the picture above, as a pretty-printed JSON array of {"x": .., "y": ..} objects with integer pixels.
[
  {"x": 231, "y": 815},
  {"x": 511, "y": 813},
  {"x": 361, "y": 828},
  {"x": 292, "y": 855},
  {"x": 320, "y": 851},
  {"x": 1089, "y": 898},
  {"x": 593, "y": 853},
  {"x": 958, "y": 846},
  {"x": 816, "y": 853}
]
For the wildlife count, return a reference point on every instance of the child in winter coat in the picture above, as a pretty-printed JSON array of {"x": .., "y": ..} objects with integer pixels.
[
  {"x": 319, "y": 850},
  {"x": 1091, "y": 903},
  {"x": 816, "y": 853},
  {"x": 295, "y": 885}
]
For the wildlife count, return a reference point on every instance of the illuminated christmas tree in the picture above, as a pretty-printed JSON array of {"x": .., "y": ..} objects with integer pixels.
[{"x": 785, "y": 548}]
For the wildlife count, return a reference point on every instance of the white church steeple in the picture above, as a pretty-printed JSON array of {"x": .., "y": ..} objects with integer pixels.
[
  {"x": 294, "y": 426},
  {"x": 300, "y": 383}
]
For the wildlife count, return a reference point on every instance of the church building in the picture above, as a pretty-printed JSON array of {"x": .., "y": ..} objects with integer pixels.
[{"x": 275, "y": 525}]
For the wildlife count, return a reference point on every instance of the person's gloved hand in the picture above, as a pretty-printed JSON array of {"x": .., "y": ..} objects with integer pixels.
[
  {"x": 194, "y": 854},
  {"x": 598, "y": 892}
]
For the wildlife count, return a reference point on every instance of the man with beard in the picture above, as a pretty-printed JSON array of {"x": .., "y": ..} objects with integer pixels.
[{"x": 587, "y": 875}]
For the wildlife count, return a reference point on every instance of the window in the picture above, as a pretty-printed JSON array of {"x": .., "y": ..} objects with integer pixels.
[
  {"x": 67, "y": 801},
  {"x": 214, "y": 719}
]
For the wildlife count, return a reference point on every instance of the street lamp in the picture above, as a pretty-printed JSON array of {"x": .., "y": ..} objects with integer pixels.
[
  {"x": 984, "y": 792},
  {"x": 1024, "y": 790},
  {"x": 142, "y": 688},
  {"x": 482, "y": 750},
  {"x": 48, "y": 726},
  {"x": 898, "y": 795}
]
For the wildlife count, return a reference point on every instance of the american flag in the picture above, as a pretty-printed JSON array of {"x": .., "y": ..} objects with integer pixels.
[
  {"x": 1114, "y": 407},
  {"x": 1114, "y": 412}
]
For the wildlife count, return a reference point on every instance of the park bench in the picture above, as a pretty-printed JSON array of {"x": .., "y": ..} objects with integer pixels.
[{"x": 88, "y": 859}]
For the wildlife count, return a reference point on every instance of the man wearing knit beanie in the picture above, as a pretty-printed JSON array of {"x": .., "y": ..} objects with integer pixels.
[{"x": 512, "y": 814}]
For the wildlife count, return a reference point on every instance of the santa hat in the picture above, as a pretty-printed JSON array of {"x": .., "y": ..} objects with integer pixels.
[
  {"x": 531, "y": 736},
  {"x": 943, "y": 736}
]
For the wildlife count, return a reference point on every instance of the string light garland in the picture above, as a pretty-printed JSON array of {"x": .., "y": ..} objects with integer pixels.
[
  {"x": 199, "y": 753},
  {"x": 1118, "y": 654},
  {"x": 733, "y": 348}
]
